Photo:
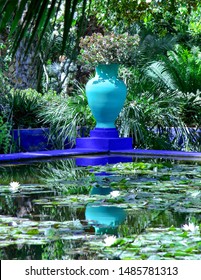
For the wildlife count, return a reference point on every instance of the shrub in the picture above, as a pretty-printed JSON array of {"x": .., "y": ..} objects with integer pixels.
[
  {"x": 66, "y": 116},
  {"x": 179, "y": 70},
  {"x": 151, "y": 113},
  {"x": 24, "y": 105},
  {"x": 106, "y": 49},
  {"x": 5, "y": 136}
]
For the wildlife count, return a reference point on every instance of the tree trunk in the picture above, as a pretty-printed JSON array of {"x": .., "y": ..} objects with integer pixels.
[{"x": 26, "y": 67}]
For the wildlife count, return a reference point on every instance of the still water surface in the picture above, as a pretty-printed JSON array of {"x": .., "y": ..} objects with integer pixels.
[{"x": 65, "y": 211}]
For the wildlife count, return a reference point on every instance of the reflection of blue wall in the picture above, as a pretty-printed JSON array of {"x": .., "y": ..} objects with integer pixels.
[
  {"x": 102, "y": 160},
  {"x": 105, "y": 219}
]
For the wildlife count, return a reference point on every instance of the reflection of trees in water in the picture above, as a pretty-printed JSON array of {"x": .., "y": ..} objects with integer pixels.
[
  {"x": 60, "y": 213},
  {"x": 21, "y": 252},
  {"x": 56, "y": 250},
  {"x": 23, "y": 173},
  {"x": 58, "y": 175},
  {"x": 37, "y": 172},
  {"x": 19, "y": 206},
  {"x": 65, "y": 177},
  {"x": 169, "y": 218},
  {"x": 139, "y": 220},
  {"x": 63, "y": 170},
  {"x": 59, "y": 249},
  {"x": 24, "y": 206},
  {"x": 70, "y": 250}
]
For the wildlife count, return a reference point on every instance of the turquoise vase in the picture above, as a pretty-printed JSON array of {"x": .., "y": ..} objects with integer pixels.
[{"x": 106, "y": 94}]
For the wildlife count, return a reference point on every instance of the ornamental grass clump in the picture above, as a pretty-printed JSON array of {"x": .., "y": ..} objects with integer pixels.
[{"x": 106, "y": 49}]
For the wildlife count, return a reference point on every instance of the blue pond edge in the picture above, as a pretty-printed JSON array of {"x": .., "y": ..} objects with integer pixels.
[
  {"x": 102, "y": 141},
  {"x": 180, "y": 155}
]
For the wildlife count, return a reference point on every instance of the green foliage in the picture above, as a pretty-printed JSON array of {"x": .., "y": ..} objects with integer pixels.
[
  {"x": 65, "y": 116},
  {"x": 5, "y": 136},
  {"x": 174, "y": 74},
  {"x": 194, "y": 26},
  {"x": 179, "y": 70},
  {"x": 152, "y": 46},
  {"x": 191, "y": 113},
  {"x": 27, "y": 18},
  {"x": 180, "y": 18},
  {"x": 66, "y": 178},
  {"x": 148, "y": 117},
  {"x": 111, "y": 48},
  {"x": 60, "y": 77},
  {"x": 24, "y": 105},
  {"x": 116, "y": 13},
  {"x": 5, "y": 125}
]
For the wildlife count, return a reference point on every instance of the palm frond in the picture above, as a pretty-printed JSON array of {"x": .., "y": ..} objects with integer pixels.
[
  {"x": 31, "y": 18},
  {"x": 158, "y": 72},
  {"x": 152, "y": 47},
  {"x": 179, "y": 69}
]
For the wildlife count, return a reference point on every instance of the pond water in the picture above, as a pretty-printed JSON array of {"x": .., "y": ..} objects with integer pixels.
[{"x": 140, "y": 209}]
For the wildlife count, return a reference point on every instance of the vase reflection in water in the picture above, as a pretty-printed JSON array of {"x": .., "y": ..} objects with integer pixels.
[{"x": 104, "y": 218}]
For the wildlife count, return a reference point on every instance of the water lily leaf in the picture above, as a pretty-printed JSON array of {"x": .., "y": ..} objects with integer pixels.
[{"x": 33, "y": 231}]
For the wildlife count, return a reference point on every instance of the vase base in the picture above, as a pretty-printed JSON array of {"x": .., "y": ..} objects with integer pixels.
[
  {"x": 104, "y": 133},
  {"x": 106, "y": 139}
]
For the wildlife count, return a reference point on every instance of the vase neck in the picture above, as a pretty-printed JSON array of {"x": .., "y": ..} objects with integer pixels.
[{"x": 107, "y": 70}]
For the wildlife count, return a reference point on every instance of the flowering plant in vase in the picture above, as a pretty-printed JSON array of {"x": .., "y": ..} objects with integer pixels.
[
  {"x": 106, "y": 92},
  {"x": 108, "y": 49}
]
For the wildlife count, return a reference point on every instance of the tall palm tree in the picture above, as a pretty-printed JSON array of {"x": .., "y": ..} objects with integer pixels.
[
  {"x": 30, "y": 19},
  {"x": 28, "y": 22}
]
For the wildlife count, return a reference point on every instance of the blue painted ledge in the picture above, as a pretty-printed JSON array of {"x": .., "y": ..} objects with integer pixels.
[
  {"x": 48, "y": 154},
  {"x": 95, "y": 152},
  {"x": 160, "y": 153}
]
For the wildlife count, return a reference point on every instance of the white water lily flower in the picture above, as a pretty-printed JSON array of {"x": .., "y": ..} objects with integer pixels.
[
  {"x": 195, "y": 194},
  {"x": 14, "y": 186},
  {"x": 14, "y": 224},
  {"x": 115, "y": 194},
  {"x": 109, "y": 240},
  {"x": 190, "y": 227}
]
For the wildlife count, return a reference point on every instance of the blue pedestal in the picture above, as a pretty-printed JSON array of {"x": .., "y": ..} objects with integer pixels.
[
  {"x": 104, "y": 133},
  {"x": 104, "y": 138}
]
